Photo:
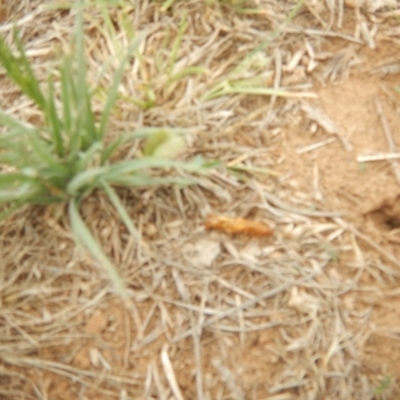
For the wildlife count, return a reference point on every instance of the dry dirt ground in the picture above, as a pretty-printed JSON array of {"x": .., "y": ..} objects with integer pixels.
[{"x": 312, "y": 312}]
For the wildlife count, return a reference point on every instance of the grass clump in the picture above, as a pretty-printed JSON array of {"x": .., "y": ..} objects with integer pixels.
[{"x": 67, "y": 157}]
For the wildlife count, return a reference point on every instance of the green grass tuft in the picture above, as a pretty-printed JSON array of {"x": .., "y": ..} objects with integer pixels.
[{"x": 67, "y": 157}]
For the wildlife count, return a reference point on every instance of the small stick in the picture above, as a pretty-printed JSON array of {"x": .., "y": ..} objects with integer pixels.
[
  {"x": 378, "y": 157},
  {"x": 315, "y": 146},
  {"x": 317, "y": 192},
  {"x": 389, "y": 138}
]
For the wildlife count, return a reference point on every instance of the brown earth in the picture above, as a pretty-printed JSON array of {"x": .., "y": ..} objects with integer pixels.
[{"x": 330, "y": 327}]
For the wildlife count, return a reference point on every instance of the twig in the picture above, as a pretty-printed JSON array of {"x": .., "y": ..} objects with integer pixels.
[
  {"x": 378, "y": 157},
  {"x": 315, "y": 146}
]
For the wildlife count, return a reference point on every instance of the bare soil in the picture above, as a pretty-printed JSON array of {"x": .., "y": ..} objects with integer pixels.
[{"x": 312, "y": 312}]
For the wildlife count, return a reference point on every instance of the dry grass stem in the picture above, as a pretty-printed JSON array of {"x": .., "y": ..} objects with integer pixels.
[{"x": 378, "y": 157}]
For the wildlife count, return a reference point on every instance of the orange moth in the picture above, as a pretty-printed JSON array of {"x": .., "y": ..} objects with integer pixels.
[{"x": 237, "y": 226}]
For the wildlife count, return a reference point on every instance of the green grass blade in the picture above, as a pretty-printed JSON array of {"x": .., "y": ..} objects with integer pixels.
[
  {"x": 123, "y": 213},
  {"x": 146, "y": 181},
  {"x": 19, "y": 193},
  {"x": 113, "y": 91},
  {"x": 67, "y": 99},
  {"x": 84, "y": 237},
  {"x": 71, "y": 113},
  {"x": 31, "y": 87},
  {"x": 14, "y": 179},
  {"x": 88, "y": 158},
  {"x": 176, "y": 45},
  {"x": 86, "y": 122},
  {"x": 44, "y": 155},
  {"x": 54, "y": 122},
  {"x": 108, "y": 23},
  {"x": 20, "y": 71},
  {"x": 129, "y": 171},
  {"x": 109, "y": 150},
  {"x": 85, "y": 179}
]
